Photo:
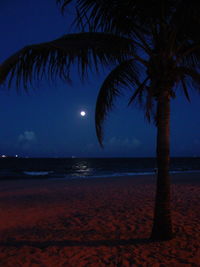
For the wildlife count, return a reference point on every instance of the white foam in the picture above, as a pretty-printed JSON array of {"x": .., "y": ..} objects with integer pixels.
[{"x": 37, "y": 173}]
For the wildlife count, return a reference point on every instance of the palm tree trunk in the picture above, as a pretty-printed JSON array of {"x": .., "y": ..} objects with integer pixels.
[{"x": 162, "y": 225}]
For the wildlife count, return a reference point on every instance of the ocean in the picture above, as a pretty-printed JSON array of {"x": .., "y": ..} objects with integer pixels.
[{"x": 72, "y": 168}]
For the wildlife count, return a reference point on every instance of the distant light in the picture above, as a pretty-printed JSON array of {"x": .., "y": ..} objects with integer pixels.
[
  {"x": 16, "y": 156},
  {"x": 3, "y": 156},
  {"x": 83, "y": 113}
]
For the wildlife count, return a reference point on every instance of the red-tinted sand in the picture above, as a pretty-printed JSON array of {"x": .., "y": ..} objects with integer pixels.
[{"x": 101, "y": 222}]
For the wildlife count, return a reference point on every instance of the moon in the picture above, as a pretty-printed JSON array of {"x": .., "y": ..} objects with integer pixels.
[{"x": 83, "y": 113}]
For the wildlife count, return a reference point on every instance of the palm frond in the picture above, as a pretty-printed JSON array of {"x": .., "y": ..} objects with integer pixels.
[
  {"x": 120, "y": 17},
  {"x": 55, "y": 58},
  {"x": 186, "y": 18},
  {"x": 185, "y": 90},
  {"x": 63, "y": 4},
  {"x": 149, "y": 105},
  {"x": 191, "y": 60},
  {"x": 125, "y": 75},
  {"x": 138, "y": 90},
  {"x": 191, "y": 72},
  {"x": 188, "y": 76}
]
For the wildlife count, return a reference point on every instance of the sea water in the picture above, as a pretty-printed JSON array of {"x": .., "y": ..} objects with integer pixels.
[{"x": 72, "y": 168}]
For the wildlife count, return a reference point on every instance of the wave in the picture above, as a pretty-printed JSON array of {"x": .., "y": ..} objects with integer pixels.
[
  {"x": 107, "y": 175},
  {"x": 81, "y": 170},
  {"x": 39, "y": 173}
]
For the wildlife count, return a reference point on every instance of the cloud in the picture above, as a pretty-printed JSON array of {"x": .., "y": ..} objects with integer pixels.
[
  {"x": 136, "y": 142},
  {"x": 27, "y": 139},
  {"x": 28, "y": 136}
]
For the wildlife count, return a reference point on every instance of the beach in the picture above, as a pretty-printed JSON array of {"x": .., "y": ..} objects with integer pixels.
[{"x": 96, "y": 222}]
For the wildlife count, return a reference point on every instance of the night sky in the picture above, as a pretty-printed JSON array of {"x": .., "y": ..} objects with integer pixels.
[{"x": 46, "y": 122}]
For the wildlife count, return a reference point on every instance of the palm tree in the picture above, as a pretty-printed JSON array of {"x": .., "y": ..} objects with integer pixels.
[{"x": 152, "y": 47}]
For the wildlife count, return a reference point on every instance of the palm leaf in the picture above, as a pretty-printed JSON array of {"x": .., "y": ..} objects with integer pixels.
[
  {"x": 125, "y": 75},
  {"x": 192, "y": 73},
  {"x": 64, "y": 4},
  {"x": 186, "y": 17},
  {"x": 119, "y": 17},
  {"x": 149, "y": 107},
  {"x": 122, "y": 16},
  {"x": 188, "y": 54},
  {"x": 185, "y": 90},
  {"x": 55, "y": 58},
  {"x": 138, "y": 90}
]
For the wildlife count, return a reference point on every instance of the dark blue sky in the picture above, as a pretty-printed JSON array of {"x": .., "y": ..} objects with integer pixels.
[{"x": 47, "y": 122}]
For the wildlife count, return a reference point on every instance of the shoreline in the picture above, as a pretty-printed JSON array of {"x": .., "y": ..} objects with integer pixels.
[{"x": 133, "y": 175}]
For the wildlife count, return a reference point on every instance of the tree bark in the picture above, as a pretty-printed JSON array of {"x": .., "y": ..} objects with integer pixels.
[{"x": 162, "y": 225}]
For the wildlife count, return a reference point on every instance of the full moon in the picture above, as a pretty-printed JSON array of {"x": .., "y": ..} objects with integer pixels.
[{"x": 83, "y": 113}]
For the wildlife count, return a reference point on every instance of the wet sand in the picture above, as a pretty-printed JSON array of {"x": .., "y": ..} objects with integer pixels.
[{"x": 96, "y": 222}]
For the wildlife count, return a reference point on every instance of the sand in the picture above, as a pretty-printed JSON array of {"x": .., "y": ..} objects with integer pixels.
[{"x": 96, "y": 222}]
